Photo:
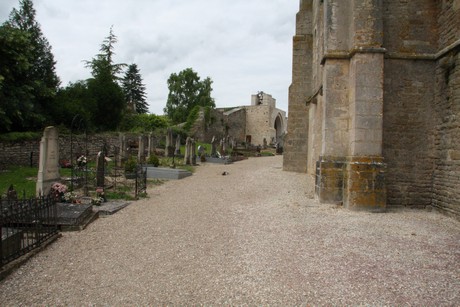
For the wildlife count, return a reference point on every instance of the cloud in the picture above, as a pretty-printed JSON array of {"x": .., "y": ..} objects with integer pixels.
[{"x": 244, "y": 46}]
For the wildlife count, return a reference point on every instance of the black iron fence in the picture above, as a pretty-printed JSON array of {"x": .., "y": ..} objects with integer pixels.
[{"x": 25, "y": 225}]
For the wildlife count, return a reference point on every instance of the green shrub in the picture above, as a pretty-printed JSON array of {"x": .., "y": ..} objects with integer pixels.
[{"x": 153, "y": 159}]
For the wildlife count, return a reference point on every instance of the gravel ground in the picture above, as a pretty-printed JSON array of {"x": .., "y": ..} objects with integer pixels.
[{"x": 252, "y": 237}]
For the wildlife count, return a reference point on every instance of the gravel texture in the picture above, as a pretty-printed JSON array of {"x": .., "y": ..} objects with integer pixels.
[{"x": 252, "y": 237}]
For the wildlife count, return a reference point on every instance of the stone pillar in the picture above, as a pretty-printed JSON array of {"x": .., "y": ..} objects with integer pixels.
[
  {"x": 213, "y": 147},
  {"x": 296, "y": 141},
  {"x": 48, "y": 167}
]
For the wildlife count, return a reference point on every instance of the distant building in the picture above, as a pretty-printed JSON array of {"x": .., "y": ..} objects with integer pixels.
[{"x": 249, "y": 124}]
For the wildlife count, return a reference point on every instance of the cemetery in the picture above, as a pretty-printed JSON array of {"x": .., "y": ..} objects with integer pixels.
[{"x": 80, "y": 180}]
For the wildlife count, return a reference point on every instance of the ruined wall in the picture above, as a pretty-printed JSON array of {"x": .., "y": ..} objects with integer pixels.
[
  {"x": 236, "y": 122},
  {"x": 258, "y": 123}
]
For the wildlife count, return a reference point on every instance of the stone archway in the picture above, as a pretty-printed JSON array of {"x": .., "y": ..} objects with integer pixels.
[{"x": 279, "y": 129}]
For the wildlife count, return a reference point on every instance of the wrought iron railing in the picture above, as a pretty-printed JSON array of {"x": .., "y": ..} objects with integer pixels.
[{"x": 25, "y": 225}]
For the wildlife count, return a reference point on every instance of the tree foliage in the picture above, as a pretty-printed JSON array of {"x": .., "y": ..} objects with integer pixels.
[
  {"x": 104, "y": 88},
  {"x": 187, "y": 91},
  {"x": 134, "y": 90},
  {"x": 28, "y": 79}
]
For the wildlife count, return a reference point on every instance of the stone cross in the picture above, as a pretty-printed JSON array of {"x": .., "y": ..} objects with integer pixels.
[{"x": 48, "y": 167}]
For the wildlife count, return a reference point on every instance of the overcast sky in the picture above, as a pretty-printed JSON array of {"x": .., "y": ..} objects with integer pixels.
[{"x": 244, "y": 46}]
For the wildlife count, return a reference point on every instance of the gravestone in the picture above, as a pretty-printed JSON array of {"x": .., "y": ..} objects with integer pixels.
[
  {"x": 214, "y": 147},
  {"x": 150, "y": 146},
  {"x": 100, "y": 169},
  {"x": 141, "y": 150},
  {"x": 193, "y": 152},
  {"x": 48, "y": 167},
  {"x": 122, "y": 152},
  {"x": 177, "y": 151},
  {"x": 169, "y": 150},
  {"x": 188, "y": 151},
  {"x": 265, "y": 143}
]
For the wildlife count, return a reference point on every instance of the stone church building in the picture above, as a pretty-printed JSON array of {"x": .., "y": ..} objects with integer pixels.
[
  {"x": 251, "y": 125},
  {"x": 374, "y": 105}
]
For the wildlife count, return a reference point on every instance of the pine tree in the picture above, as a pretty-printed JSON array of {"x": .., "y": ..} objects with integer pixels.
[
  {"x": 104, "y": 87},
  {"x": 134, "y": 90}
]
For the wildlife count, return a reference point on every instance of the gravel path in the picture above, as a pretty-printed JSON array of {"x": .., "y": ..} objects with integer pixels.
[{"x": 253, "y": 237}]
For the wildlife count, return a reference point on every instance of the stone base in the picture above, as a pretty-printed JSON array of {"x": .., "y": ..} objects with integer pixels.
[
  {"x": 74, "y": 217},
  {"x": 329, "y": 179},
  {"x": 166, "y": 173},
  {"x": 364, "y": 184},
  {"x": 358, "y": 182}
]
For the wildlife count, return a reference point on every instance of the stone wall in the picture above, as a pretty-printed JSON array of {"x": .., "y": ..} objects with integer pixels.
[
  {"x": 446, "y": 115},
  {"x": 382, "y": 85},
  {"x": 296, "y": 140},
  {"x": 26, "y": 153}
]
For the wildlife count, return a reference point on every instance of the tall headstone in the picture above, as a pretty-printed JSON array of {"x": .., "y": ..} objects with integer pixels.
[
  {"x": 48, "y": 167},
  {"x": 188, "y": 151},
  {"x": 213, "y": 147},
  {"x": 141, "y": 150},
  {"x": 169, "y": 150},
  {"x": 122, "y": 152},
  {"x": 100, "y": 169},
  {"x": 177, "y": 151},
  {"x": 193, "y": 152},
  {"x": 150, "y": 149}
]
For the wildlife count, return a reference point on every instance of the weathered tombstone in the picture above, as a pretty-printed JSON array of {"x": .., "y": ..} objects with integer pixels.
[
  {"x": 141, "y": 151},
  {"x": 169, "y": 150},
  {"x": 265, "y": 143},
  {"x": 122, "y": 152},
  {"x": 150, "y": 149},
  {"x": 177, "y": 151},
  {"x": 213, "y": 147},
  {"x": 100, "y": 169},
  {"x": 224, "y": 147},
  {"x": 188, "y": 151},
  {"x": 48, "y": 167},
  {"x": 193, "y": 152}
]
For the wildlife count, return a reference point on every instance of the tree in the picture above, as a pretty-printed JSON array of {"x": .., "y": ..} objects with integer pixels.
[
  {"x": 134, "y": 90},
  {"x": 186, "y": 91},
  {"x": 41, "y": 71},
  {"x": 16, "y": 89},
  {"x": 104, "y": 88}
]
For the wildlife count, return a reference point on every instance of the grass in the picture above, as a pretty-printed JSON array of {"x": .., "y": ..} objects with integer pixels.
[{"x": 23, "y": 180}]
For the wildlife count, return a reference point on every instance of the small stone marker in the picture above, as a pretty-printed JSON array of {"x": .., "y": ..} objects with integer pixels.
[
  {"x": 150, "y": 149},
  {"x": 48, "y": 167},
  {"x": 169, "y": 150}
]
